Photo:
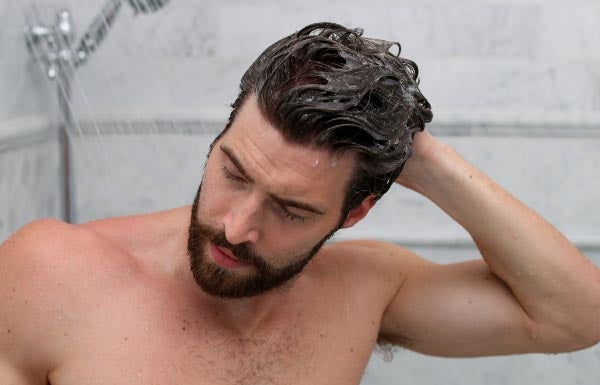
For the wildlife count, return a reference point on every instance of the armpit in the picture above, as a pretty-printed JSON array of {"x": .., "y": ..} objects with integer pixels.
[{"x": 386, "y": 348}]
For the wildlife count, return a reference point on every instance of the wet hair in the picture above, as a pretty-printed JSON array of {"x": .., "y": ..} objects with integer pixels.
[{"x": 328, "y": 86}]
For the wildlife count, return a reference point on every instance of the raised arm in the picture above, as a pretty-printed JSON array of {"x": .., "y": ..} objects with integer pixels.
[{"x": 532, "y": 292}]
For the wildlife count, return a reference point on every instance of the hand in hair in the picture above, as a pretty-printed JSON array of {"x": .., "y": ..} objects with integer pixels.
[{"x": 425, "y": 148}]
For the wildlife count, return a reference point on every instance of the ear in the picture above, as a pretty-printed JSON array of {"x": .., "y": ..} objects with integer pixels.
[{"x": 355, "y": 215}]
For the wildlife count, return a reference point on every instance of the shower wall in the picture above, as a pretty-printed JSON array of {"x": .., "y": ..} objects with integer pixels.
[
  {"x": 29, "y": 162},
  {"x": 515, "y": 88}
]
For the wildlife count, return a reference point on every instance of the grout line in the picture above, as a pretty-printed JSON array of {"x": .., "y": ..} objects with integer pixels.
[
  {"x": 25, "y": 140},
  {"x": 454, "y": 128}
]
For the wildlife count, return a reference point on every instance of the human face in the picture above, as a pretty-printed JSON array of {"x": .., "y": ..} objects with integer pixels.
[{"x": 263, "y": 209}]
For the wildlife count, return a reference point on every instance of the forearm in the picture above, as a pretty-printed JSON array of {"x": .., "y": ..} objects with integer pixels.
[{"x": 551, "y": 279}]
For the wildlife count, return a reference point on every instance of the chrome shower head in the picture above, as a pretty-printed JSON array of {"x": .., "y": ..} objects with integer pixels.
[
  {"x": 97, "y": 31},
  {"x": 146, "y": 6}
]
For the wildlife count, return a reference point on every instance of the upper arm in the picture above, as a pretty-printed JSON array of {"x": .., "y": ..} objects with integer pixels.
[
  {"x": 28, "y": 304},
  {"x": 458, "y": 310}
]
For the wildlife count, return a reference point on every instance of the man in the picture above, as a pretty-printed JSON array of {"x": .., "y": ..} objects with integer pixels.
[{"x": 238, "y": 288}]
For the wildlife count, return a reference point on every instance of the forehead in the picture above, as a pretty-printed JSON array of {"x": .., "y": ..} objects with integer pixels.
[{"x": 290, "y": 168}]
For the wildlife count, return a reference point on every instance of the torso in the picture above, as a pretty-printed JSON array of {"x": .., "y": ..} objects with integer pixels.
[
  {"x": 149, "y": 336},
  {"x": 128, "y": 323}
]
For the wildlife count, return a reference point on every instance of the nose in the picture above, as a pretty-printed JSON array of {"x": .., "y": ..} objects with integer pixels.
[{"x": 242, "y": 221}]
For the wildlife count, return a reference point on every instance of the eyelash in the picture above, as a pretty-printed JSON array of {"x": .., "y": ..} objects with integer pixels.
[
  {"x": 234, "y": 178},
  {"x": 292, "y": 217}
]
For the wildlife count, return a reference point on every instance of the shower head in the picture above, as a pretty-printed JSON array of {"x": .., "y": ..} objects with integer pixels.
[
  {"x": 146, "y": 6},
  {"x": 97, "y": 31}
]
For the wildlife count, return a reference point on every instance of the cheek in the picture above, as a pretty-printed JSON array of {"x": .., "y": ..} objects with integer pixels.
[
  {"x": 289, "y": 243},
  {"x": 213, "y": 197}
]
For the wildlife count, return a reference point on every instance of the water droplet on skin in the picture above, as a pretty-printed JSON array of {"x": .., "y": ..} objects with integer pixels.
[{"x": 316, "y": 162}]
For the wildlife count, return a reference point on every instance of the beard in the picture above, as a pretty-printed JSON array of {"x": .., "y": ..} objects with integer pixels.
[{"x": 224, "y": 283}]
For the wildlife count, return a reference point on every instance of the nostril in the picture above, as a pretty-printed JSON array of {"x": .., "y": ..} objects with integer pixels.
[{"x": 238, "y": 233}]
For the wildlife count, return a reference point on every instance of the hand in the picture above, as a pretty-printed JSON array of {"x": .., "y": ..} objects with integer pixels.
[{"x": 424, "y": 148}]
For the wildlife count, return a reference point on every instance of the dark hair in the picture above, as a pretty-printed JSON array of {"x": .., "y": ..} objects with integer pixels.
[{"x": 328, "y": 86}]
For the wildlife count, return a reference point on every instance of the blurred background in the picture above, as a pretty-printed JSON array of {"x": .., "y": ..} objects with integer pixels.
[{"x": 115, "y": 117}]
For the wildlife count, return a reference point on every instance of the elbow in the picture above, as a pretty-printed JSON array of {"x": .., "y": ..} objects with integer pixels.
[
  {"x": 593, "y": 336},
  {"x": 567, "y": 341},
  {"x": 584, "y": 332},
  {"x": 589, "y": 332},
  {"x": 577, "y": 331},
  {"x": 583, "y": 328},
  {"x": 584, "y": 340}
]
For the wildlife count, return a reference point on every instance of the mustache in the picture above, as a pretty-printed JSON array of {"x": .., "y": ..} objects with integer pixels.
[{"x": 242, "y": 252}]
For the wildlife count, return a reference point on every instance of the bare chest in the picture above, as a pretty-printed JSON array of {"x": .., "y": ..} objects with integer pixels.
[{"x": 151, "y": 338}]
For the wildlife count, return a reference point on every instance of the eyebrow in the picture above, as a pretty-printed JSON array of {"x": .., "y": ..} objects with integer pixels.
[{"x": 282, "y": 201}]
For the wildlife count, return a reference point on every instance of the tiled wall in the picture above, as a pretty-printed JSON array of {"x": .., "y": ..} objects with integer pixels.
[
  {"x": 30, "y": 184},
  {"x": 515, "y": 87},
  {"x": 29, "y": 162}
]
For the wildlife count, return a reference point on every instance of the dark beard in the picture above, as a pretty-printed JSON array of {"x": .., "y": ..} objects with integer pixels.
[{"x": 215, "y": 280}]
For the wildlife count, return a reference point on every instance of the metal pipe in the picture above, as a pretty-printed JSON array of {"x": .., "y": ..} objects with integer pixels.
[{"x": 64, "y": 74}]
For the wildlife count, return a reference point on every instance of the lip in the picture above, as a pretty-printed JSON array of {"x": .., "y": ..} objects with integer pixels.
[{"x": 223, "y": 259}]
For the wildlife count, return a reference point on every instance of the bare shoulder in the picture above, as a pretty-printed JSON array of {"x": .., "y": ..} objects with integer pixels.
[
  {"x": 48, "y": 267},
  {"x": 48, "y": 248}
]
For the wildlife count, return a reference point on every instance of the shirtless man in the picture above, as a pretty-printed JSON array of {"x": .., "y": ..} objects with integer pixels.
[{"x": 322, "y": 126}]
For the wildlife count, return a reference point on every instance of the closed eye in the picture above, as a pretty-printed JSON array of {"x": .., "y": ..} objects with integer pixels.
[
  {"x": 282, "y": 208},
  {"x": 229, "y": 175},
  {"x": 291, "y": 216}
]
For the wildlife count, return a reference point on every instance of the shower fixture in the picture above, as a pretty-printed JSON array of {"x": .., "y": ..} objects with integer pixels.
[
  {"x": 54, "y": 46},
  {"x": 102, "y": 23}
]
